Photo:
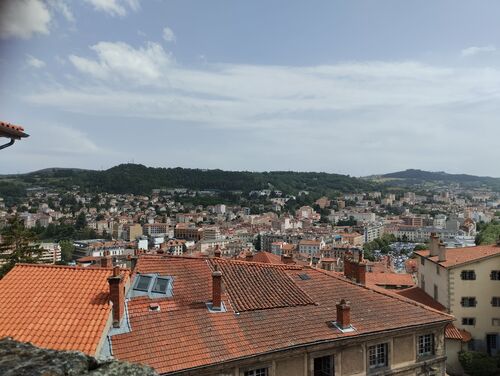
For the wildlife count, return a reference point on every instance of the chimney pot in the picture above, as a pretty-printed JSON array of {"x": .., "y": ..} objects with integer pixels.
[
  {"x": 106, "y": 261},
  {"x": 442, "y": 252},
  {"x": 217, "y": 252},
  {"x": 216, "y": 289},
  {"x": 434, "y": 245},
  {"x": 343, "y": 314},
  {"x": 117, "y": 296}
]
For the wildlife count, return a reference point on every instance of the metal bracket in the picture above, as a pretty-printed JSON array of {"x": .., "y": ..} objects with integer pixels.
[{"x": 10, "y": 143}]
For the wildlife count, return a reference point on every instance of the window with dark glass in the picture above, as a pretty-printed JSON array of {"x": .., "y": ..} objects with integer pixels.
[
  {"x": 143, "y": 282},
  {"x": 468, "y": 275},
  {"x": 468, "y": 321},
  {"x": 495, "y": 275},
  {"x": 264, "y": 371},
  {"x": 468, "y": 301},
  {"x": 323, "y": 366},
  {"x": 160, "y": 285},
  {"x": 377, "y": 355},
  {"x": 495, "y": 301},
  {"x": 426, "y": 344}
]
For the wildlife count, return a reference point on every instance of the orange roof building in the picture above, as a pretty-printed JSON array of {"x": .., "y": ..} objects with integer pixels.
[
  {"x": 57, "y": 307},
  {"x": 265, "y": 313}
]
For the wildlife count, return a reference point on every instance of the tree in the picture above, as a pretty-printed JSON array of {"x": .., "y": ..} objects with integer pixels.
[
  {"x": 81, "y": 221},
  {"x": 18, "y": 246},
  {"x": 67, "y": 249},
  {"x": 478, "y": 364}
]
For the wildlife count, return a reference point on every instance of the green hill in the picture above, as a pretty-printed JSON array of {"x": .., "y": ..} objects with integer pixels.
[{"x": 139, "y": 179}]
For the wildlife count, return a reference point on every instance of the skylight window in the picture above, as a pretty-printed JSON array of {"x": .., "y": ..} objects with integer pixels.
[
  {"x": 160, "y": 286},
  {"x": 152, "y": 285},
  {"x": 143, "y": 282}
]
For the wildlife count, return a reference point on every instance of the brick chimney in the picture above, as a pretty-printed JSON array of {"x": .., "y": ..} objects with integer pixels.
[
  {"x": 106, "y": 260},
  {"x": 216, "y": 289},
  {"x": 434, "y": 244},
  {"x": 343, "y": 314},
  {"x": 286, "y": 259},
  {"x": 361, "y": 275},
  {"x": 441, "y": 252},
  {"x": 248, "y": 255},
  {"x": 217, "y": 252},
  {"x": 355, "y": 270},
  {"x": 117, "y": 296}
]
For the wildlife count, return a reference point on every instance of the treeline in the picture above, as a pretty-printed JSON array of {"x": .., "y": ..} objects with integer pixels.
[
  {"x": 139, "y": 179},
  {"x": 488, "y": 233}
]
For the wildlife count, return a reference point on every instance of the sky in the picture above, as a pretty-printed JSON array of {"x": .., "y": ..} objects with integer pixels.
[{"x": 356, "y": 87}]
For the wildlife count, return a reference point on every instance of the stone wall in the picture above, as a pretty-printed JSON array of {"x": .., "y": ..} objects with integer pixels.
[{"x": 24, "y": 359}]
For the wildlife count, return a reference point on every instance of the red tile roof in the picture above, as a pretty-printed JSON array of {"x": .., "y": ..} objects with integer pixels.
[
  {"x": 254, "y": 286},
  {"x": 459, "y": 256},
  {"x": 452, "y": 332},
  {"x": 267, "y": 258},
  {"x": 56, "y": 307},
  {"x": 389, "y": 279},
  {"x": 419, "y": 295},
  {"x": 185, "y": 335}
]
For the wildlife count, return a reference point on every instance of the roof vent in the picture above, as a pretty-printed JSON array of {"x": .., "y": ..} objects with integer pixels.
[
  {"x": 154, "y": 307},
  {"x": 304, "y": 276}
]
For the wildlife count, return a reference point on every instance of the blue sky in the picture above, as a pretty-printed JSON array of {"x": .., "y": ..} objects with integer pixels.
[{"x": 355, "y": 87}]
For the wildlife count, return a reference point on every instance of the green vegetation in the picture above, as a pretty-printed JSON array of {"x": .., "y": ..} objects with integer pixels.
[
  {"x": 383, "y": 244},
  {"x": 414, "y": 177},
  {"x": 139, "y": 179},
  {"x": 17, "y": 246},
  {"x": 479, "y": 364},
  {"x": 489, "y": 233},
  {"x": 57, "y": 232},
  {"x": 67, "y": 249}
]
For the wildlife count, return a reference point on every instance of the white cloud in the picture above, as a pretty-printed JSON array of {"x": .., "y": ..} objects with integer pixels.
[
  {"x": 119, "y": 60},
  {"x": 471, "y": 51},
  {"x": 115, "y": 7},
  {"x": 62, "y": 7},
  {"x": 23, "y": 18},
  {"x": 34, "y": 62},
  {"x": 398, "y": 113},
  {"x": 168, "y": 34}
]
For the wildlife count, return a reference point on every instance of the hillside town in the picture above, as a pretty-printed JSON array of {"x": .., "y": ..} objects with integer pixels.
[
  {"x": 408, "y": 249},
  {"x": 249, "y": 188}
]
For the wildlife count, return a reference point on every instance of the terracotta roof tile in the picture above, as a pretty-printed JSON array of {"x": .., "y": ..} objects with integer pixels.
[
  {"x": 267, "y": 258},
  {"x": 458, "y": 256},
  {"x": 419, "y": 295},
  {"x": 185, "y": 335},
  {"x": 57, "y": 307},
  {"x": 452, "y": 332},
  {"x": 389, "y": 279}
]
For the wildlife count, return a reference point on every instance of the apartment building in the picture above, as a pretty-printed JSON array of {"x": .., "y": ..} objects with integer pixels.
[
  {"x": 467, "y": 282},
  {"x": 51, "y": 253},
  {"x": 310, "y": 247},
  {"x": 188, "y": 232},
  {"x": 153, "y": 229}
]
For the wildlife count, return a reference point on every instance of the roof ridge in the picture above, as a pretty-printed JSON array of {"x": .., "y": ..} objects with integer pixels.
[
  {"x": 388, "y": 294},
  {"x": 262, "y": 264},
  {"x": 73, "y": 267}
]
